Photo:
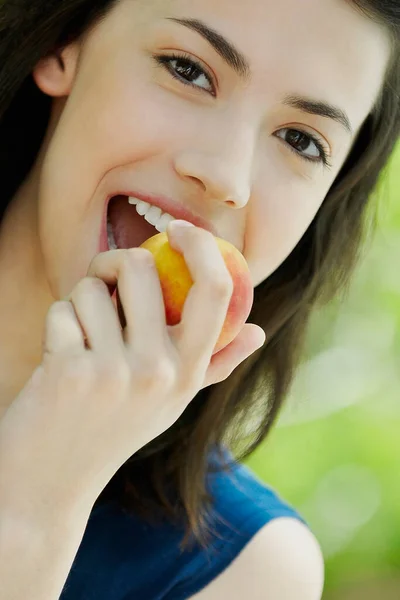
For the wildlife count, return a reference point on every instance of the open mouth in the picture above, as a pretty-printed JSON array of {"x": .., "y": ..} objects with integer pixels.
[{"x": 125, "y": 227}]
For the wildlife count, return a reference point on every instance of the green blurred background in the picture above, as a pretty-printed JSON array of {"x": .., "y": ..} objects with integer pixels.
[{"x": 335, "y": 450}]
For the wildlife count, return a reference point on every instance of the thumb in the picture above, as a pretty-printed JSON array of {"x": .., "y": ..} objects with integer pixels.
[{"x": 224, "y": 362}]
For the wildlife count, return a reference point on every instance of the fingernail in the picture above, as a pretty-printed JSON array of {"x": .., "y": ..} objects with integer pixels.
[{"x": 178, "y": 225}]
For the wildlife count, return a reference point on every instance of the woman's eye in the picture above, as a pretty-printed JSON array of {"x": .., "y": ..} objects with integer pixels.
[
  {"x": 190, "y": 72},
  {"x": 305, "y": 145},
  {"x": 186, "y": 70}
]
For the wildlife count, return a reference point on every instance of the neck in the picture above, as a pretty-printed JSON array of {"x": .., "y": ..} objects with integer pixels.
[{"x": 25, "y": 297}]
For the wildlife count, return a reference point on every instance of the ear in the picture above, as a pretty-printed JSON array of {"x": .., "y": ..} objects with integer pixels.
[{"x": 54, "y": 74}]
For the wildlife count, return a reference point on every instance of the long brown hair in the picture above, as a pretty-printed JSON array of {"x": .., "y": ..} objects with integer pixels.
[{"x": 168, "y": 476}]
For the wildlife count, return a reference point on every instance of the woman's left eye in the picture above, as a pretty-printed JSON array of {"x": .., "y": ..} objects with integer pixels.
[
  {"x": 305, "y": 145},
  {"x": 186, "y": 70}
]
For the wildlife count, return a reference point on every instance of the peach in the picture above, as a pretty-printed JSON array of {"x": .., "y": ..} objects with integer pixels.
[{"x": 176, "y": 282}]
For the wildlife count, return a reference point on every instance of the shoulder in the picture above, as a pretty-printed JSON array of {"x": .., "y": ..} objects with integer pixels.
[{"x": 282, "y": 561}]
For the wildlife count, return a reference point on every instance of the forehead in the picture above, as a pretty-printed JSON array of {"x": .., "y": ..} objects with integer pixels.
[{"x": 323, "y": 48}]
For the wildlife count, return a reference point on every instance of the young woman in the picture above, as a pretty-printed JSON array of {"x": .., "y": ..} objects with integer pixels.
[{"x": 264, "y": 123}]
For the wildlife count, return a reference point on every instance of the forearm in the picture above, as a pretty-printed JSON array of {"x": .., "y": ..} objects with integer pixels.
[{"x": 36, "y": 556}]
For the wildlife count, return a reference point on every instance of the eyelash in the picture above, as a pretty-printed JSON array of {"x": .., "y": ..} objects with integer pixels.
[
  {"x": 163, "y": 60},
  {"x": 324, "y": 159}
]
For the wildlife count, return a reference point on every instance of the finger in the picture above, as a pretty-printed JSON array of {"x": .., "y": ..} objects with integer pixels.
[
  {"x": 207, "y": 302},
  {"x": 140, "y": 293},
  {"x": 250, "y": 339},
  {"x": 63, "y": 333},
  {"x": 97, "y": 316}
]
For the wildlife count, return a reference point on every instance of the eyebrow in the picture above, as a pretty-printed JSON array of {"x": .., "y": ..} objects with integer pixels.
[
  {"x": 231, "y": 55},
  {"x": 239, "y": 63},
  {"x": 317, "y": 107}
]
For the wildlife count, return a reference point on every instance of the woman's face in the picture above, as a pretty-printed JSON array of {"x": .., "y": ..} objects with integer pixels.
[{"x": 253, "y": 155}]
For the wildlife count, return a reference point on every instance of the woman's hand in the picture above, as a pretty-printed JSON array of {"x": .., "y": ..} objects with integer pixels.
[{"x": 102, "y": 392}]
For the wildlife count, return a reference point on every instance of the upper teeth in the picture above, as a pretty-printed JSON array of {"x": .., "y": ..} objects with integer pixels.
[{"x": 152, "y": 214}]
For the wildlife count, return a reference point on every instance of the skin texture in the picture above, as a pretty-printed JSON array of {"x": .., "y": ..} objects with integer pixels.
[{"x": 120, "y": 119}]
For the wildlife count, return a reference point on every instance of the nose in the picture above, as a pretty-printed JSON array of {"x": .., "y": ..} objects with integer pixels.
[{"x": 224, "y": 174}]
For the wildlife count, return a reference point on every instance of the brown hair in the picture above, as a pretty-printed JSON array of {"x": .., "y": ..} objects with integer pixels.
[{"x": 168, "y": 476}]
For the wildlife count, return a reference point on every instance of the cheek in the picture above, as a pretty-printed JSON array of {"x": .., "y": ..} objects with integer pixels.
[
  {"x": 99, "y": 131},
  {"x": 133, "y": 126},
  {"x": 120, "y": 128},
  {"x": 274, "y": 228},
  {"x": 114, "y": 119}
]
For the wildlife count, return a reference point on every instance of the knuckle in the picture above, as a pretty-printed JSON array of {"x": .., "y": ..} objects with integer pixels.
[
  {"x": 157, "y": 373},
  {"x": 190, "y": 382},
  {"x": 112, "y": 373},
  {"x": 208, "y": 237},
  {"x": 126, "y": 257},
  {"x": 77, "y": 373},
  {"x": 141, "y": 255},
  {"x": 202, "y": 235},
  {"x": 144, "y": 255},
  {"x": 93, "y": 263},
  {"x": 58, "y": 308},
  {"x": 197, "y": 232},
  {"x": 220, "y": 284},
  {"x": 88, "y": 284},
  {"x": 164, "y": 371},
  {"x": 126, "y": 261}
]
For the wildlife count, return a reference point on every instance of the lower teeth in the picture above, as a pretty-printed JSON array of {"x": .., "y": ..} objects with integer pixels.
[{"x": 111, "y": 241}]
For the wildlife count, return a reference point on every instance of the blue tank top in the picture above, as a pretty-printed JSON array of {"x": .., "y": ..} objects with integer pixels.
[{"x": 121, "y": 557}]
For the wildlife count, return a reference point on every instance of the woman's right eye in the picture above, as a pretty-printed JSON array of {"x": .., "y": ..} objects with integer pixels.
[{"x": 184, "y": 69}]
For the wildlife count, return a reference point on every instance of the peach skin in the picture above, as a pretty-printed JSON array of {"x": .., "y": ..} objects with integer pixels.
[{"x": 176, "y": 282}]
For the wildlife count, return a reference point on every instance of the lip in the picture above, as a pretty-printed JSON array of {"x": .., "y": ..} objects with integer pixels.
[
  {"x": 103, "y": 239},
  {"x": 167, "y": 205}
]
